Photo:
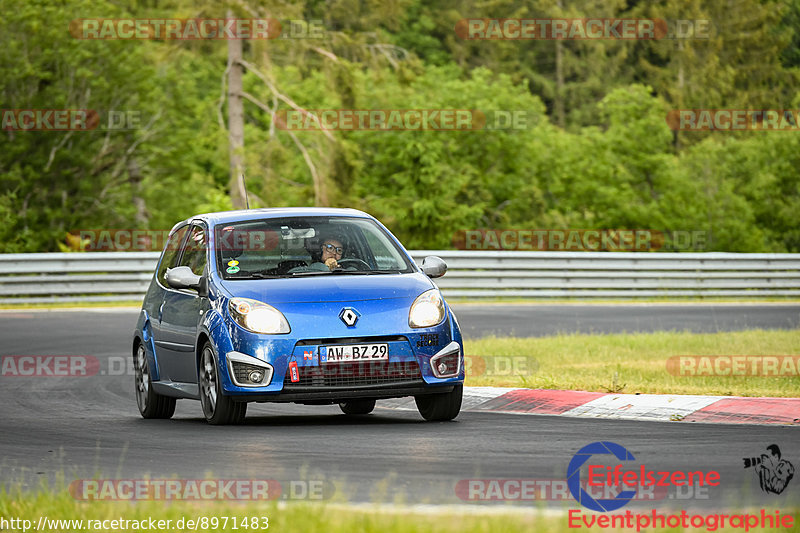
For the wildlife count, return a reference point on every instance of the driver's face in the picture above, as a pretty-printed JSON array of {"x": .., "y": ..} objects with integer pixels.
[{"x": 331, "y": 248}]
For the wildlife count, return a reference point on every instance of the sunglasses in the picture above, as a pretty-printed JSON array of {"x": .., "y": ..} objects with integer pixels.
[{"x": 330, "y": 248}]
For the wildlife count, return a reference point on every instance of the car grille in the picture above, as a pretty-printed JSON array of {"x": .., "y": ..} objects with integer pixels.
[
  {"x": 352, "y": 340},
  {"x": 355, "y": 374}
]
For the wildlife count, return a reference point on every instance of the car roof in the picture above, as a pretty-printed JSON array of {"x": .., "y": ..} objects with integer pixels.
[{"x": 225, "y": 217}]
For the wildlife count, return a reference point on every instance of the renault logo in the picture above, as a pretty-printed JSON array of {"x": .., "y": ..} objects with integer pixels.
[{"x": 349, "y": 316}]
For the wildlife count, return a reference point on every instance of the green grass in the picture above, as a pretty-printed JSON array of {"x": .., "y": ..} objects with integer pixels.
[
  {"x": 294, "y": 517},
  {"x": 629, "y": 363},
  {"x": 289, "y": 518}
]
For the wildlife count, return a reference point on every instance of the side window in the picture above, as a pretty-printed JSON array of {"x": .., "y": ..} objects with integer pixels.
[
  {"x": 194, "y": 254},
  {"x": 170, "y": 254}
]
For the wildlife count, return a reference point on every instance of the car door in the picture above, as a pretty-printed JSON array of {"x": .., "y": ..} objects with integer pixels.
[
  {"x": 182, "y": 311},
  {"x": 169, "y": 259}
]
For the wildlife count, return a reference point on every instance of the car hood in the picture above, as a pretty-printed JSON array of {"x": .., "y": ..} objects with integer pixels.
[{"x": 330, "y": 288}]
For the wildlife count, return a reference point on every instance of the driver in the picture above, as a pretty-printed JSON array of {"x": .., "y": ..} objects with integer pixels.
[{"x": 332, "y": 251}]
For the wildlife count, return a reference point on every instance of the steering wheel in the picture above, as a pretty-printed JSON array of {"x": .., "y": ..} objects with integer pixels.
[{"x": 358, "y": 264}]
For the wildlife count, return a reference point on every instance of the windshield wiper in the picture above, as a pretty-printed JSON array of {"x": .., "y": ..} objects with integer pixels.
[
  {"x": 307, "y": 273},
  {"x": 255, "y": 275},
  {"x": 338, "y": 271},
  {"x": 362, "y": 272}
]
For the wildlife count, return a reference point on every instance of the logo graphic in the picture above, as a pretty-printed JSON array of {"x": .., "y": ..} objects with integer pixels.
[
  {"x": 574, "y": 476},
  {"x": 349, "y": 316},
  {"x": 428, "y": 339},
  {"x": 308, "y": 356},
  {"x": 773, "y": 472}
]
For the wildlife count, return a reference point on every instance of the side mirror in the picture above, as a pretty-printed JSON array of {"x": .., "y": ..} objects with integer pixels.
[
  {"x": 202, "y": 290},
  {"x": 182, "y": 277},
  {"x": 433, "y": 266}
]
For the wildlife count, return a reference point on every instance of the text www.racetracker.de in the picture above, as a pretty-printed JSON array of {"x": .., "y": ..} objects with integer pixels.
[{"x": 200, "y": 523}]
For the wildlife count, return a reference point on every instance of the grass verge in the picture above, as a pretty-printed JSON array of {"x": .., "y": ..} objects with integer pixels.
[
  {"x": 287, "y": 518},
  {"x": 294, "y": 517},
  {"x": 628, "y": 363}
]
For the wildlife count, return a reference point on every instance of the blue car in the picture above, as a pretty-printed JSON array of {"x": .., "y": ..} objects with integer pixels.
[{"x": 313, "y": 306}]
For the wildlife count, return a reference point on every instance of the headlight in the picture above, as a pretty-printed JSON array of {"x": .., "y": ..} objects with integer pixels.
[
  {"x": 427, "y": 310},
  {"x": 258, "y": 317}
]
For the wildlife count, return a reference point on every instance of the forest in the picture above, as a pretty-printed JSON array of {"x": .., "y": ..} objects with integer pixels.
[{"x": 574, "y": 133}]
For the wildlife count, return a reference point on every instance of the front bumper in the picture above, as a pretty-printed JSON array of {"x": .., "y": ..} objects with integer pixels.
[
  {"x": 407, "y": 372},
  {"x": 336, "y": 396}
]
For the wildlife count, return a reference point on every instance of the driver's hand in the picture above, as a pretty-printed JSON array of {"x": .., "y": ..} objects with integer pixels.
[{"x": 331, "y": 263}]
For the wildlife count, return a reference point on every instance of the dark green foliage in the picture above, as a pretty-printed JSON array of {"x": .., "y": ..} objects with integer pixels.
[{"x": 612, "y": 164}]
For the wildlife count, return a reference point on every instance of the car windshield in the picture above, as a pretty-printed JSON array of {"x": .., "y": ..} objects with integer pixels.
[{"x": 300, "y": 246}]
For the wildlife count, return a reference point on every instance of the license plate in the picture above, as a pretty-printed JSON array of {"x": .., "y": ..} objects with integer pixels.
[{"x": 354, "y": 352}]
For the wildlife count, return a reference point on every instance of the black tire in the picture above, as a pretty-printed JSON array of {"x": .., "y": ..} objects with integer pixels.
[
  {"x": 151, "y": 405},
  {"x": 218, "y": 409},
  {"x": 440, "y": 407},
  {"x": 357, "y": 407}
]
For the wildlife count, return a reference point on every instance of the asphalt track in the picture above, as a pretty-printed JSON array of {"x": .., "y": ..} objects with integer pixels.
[{"x": 89, "y": 427}]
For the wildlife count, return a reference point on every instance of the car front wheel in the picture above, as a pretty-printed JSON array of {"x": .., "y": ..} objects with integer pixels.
[
  {"x": 151, "y": 405},
  {"x": 217, "y": 408},
  {"x": 440, "y": 407}
]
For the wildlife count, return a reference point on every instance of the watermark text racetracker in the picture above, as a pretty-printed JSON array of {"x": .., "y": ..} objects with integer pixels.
[
  {"x": 189, "y": 29},
  {"x": 123, "y": 240},
  {"x": 734, "y": 119},
  {"x": 632, "y": 240},
  {"x": 404, "y": 119},
  {"x": 582, "y": 29},
  {"x": 64, "y": 366},
  {"x": 48, "y": 119},
  {"x": 83, "y": 366},
  {"x": 209, "y": 489},
  {"x": 526, "y": 490},
  {"x": 70, "y": 119},
  {"x": 379, "y": 119},
  {"x": 154, "y": 240},
  {"x": 734, "y": 365}
]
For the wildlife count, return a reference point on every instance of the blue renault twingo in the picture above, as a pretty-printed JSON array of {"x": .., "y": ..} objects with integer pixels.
[{"x": 314, "y": 306}]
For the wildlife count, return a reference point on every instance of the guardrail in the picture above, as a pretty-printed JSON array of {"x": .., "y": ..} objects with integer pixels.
[{"x": 114, "y": 276}]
